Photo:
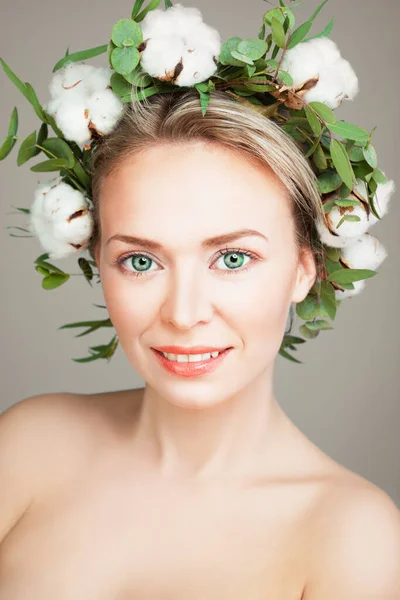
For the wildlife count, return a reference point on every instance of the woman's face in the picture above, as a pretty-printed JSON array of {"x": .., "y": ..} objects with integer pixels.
[{"x": 183, "y": 290}]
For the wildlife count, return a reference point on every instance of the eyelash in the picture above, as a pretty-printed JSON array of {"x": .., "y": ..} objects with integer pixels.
[{"x": 119, "y": 261}]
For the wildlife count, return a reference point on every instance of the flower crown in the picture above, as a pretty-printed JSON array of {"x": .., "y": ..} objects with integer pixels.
[{"x": 297, "y": 81}]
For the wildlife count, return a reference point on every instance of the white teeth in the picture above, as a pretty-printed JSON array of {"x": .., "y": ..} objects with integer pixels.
[{"x": 190, "y": 357}]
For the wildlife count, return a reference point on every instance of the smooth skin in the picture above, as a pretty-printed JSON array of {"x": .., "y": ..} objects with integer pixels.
[{"x": 190, "y": 488}]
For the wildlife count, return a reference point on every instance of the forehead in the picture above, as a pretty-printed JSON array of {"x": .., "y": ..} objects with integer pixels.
[{"x": 195, "y": 188}]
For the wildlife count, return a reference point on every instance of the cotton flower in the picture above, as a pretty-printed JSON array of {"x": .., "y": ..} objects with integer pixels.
[
  {"x": 321, "y": 57},
  {"x": 366, "y": 252},
  {"x": 61, "y": 218},
  {"x": 339, "y": 237},
  {"x": 82, "y": 102},
  {"x": 179, "y": 47}
]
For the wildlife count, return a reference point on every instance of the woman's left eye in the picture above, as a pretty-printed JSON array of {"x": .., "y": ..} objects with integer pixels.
[{"x": 232, "y": 258}]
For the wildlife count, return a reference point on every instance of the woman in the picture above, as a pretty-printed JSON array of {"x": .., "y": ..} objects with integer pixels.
[{"x": 197, "y": 486}]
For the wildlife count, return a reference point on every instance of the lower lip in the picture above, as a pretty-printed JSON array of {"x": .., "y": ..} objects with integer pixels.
[{"x": 191, "y": 369}]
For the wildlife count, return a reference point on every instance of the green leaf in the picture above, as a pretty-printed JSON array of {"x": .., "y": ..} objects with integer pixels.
[
  {"x": 54, "y": 280},
  {"x": 81, "y": 55},
  {"x": 16, "y": 81},
  {"x": 10, "y": 141},
  {"x": 27, "y": 149},
  {"x": 308, "y": 333},
  {"x": 379, "y": 177},
  {"x": 320, "y": 7},
  {"x": 355, "y": 153},
  {"x": 204, "y": 101},
  {"x": 225, "y": 57},
  {"x": 280, "y": 14},
  {"x": 58, "y": 148},
  {"x": 252, "y": 48},
  {"x": 328, "y": 299},
  {"x": 325, "y": 32},
  {"x": 271, "y": 62},
  {"x": 315, "y": 123},
  {"x": 261, "y": 33},
  {"x": 91, "y": 324},
  {"x": 285, "y": 77},
  {"x": 285, "y": 354},
  {"x": 350, "y": 275},
  {"x": 47, "y": 166},
  {"x": 42, "y": 271},
  {"x": 136, "y": 8},
  {"x": 33, "y": 99},
  {"x": 347, "y": 217},
  {"x": 329, "y": 182},
  {"x": 42, "y": 135},
  {"x": 150, "y": 91},
  {"x": 151, "y": 6},
  {"x": 323, "y": 111},
  {"x": 278, "y": 33},
  {"x": 86, "y": 269},
  {"x": 346, "y": 130},
  {"x": 299, "y": 34},
  {"x": 319, "y": 158},
  {"x": 342, "y": 163},
  {"x": 48, "y": 266},
  {"x": 370, "y": 155},
  {"x": 124, "y": 60},
  {"x": 308, "y": 308},
  {"x": 138, "y": 78},
  {"x": 126, "y": 29},
  {"x": 347, "y": 202},
  {"x": 168, "y": 4},
  {"x": 319, "y": 324},
  {"x": 333, "y": 254},
  {"x": 120, "y": 85},
  {"x": 241, "y": 57},
  {"x": 254, "y": 87}
]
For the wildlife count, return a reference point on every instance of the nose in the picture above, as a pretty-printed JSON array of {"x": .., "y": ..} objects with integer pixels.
[{"x": 188, "y": 297}]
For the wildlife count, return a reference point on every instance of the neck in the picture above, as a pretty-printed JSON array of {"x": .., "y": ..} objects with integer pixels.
[{"x": 232, "y": 437}]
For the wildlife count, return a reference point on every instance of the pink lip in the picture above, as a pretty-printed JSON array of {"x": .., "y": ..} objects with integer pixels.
[
  {"x": 191, "y": 369},
  {"x": 186, "y": 350}
]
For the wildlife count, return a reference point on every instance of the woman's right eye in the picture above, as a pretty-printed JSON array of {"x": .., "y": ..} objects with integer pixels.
[{"x": 140, "y": 262}]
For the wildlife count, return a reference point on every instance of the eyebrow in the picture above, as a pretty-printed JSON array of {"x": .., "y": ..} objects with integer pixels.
[{"x": 212, "y": 242}]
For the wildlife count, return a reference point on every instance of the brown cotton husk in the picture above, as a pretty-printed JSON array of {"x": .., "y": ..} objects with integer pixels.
[
  {"x": 172, "y": 76},
  {"x": 292, "y": 96},
  {"x": 77, "y": 214}
]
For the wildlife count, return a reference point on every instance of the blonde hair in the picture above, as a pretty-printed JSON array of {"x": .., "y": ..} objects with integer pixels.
[{"x": 176, "y": 118}]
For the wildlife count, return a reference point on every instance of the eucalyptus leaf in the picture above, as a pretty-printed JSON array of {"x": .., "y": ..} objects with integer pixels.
[
  {"x": 285, "y": 77},
  {"x": 271, "y": 62},
  {"x": 347, "y": 217},
  {"x": 319, "y": 158},
  {"x": 225, "y": 57},
  {"x": 349, "y": 131},
  {"x": 42, "y": 135},
  {"x": 10, "y": 141},
  {"x": 81, "y": 55},
  {"x": 341, "y": 162},
  {"x": 299, "y": 34},
  {"x": 27, "y": 149},
  {"x": 328, "y": 300},
  {"x": 314, "y": 121},
  {"x": 86, "y": 269},
  {"x": 324, "y": 112},
  {"x": 125, "y": 29},
  {"x": 241, "y": 57},
  {"x": 54, "y": 280},
  {"x": 252, "y": 48},
  {"x": 138, "y": 78},
  {"x": 318, "y": 324},
  {"x": 308, "y": 308},
  {"x": 379, "y": 177},
  {"x": 54, "y": 164},
  {"x": 308, "y": 333},
  {"x": 124, "y": 60},
  {"x": 278, "y": 33},
  {"x": 323, "y": 33},
  {"x": 370, "y": 155},
  {"x": 329, "y": 181},
  {"x": 153, "y": 4},
  {"x": 120, "y": 85},
  {"x": 355, "y": 153},
  {"x": 280, "y": 14},
  {"x": 136, "y": 8},
  {"x": 350, "y": 275},
  {"x": 59, "y": 148}
]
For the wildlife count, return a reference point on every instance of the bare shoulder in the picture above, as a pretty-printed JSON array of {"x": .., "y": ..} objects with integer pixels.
[{"x": 357, "y": 549}]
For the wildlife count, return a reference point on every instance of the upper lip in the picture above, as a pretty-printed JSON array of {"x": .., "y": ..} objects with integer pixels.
[{"x": 186, "y": 350}]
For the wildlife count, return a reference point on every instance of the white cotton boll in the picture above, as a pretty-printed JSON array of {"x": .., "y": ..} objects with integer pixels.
[
  {"x": 51, "y": 222},
  {"x": 321, "y": 57},
  {"x": 73, "y": 120},
  {"x": 105, "y": 110},
  {"x": 162, "y": 55},
  {"x": 178, "y": 35},
  {"x": 305, "y": 60},
  {"x": 358, "y": 287},
  {"x": 184, "y": 19},
  {"x": 366, "y": 252},
  {"x": 205, "y": 36},
  {"x": 383, "y": 194},
  {"x": 197, "y": 66},
  {"x": 99, "y": 80},
  {"x": 337, "y": 82},
  {"x": 326, "y": 237}
]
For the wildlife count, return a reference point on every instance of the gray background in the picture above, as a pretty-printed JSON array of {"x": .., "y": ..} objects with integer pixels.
[{"x": 345, "y": 396}]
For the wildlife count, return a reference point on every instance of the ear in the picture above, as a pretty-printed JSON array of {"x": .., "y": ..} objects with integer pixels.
[{"x": 306, "y": 274}]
